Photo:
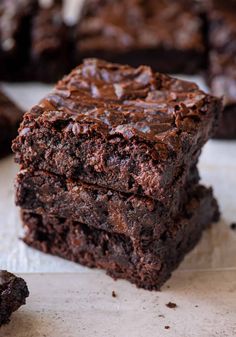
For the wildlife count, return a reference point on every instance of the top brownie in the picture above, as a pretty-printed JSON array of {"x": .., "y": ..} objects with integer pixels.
[
  {"x": 164, "y": 34},
  {"x": 131, "y": 130}
]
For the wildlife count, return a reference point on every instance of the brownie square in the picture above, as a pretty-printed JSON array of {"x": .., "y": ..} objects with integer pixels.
[
  {"x": 147, "y": 262},
  {"x": 109, "y": 210},
  {"x": 131, "y": 130},
  {"x": 15, "y": 19},
  {"x": 51, "y": 45},
  {"x": 222, "y": 62},
  {"x": 13, "y": 293},
  {"x": 10, "y": 118},
  {"x": 166, "y": 35}
]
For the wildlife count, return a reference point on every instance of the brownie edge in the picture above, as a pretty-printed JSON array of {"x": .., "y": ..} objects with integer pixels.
[{"x": 13, "y": 294}]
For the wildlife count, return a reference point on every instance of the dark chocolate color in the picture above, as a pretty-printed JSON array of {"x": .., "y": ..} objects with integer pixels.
[
  {"x": 13, "y": 293},
  {"x": 109, "y": 210},
  {"x": 147, "y": 262},
  {"x": 127, "y": 129},
  {"x": 10, "y": 118}
]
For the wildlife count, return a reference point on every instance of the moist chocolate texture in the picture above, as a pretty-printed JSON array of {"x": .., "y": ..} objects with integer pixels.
[
  {"x": 131, "y": 130},
  {"x": 10, "y": 118},
  {"x": 105, "y": 209},
  {"x": 163, "y": 34},
  {"x": 13, "y": 293},
  {"x": 147, "y": 262},
  {"x": 108, "y": 170},
  {"x": 222, "y": 62}
]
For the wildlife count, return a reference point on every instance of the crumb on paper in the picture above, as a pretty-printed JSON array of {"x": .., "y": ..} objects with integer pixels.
[
  {"x": 233, "y": 226},
  {"x": 162, "y": 316},
  {"x": 167, "y": 327},
  {"x": 171, "y": 305},
  {"x": 114, "y": 293}
]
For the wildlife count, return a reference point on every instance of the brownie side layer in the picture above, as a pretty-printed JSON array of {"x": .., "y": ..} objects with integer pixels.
[
  {"x": 165, "y": 35},
  {"x": 127, "y": 129},
  {"x": 13, "y": 293},
  {"x": 109, "y": 210},
  {"x": 147, "y": 262},
  {"x": 10, "y": 118}
]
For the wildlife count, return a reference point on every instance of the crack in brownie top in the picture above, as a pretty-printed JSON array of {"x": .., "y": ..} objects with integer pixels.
[
  {"x": 117, "y": 99},
  {"x": 139, "y": 23}
]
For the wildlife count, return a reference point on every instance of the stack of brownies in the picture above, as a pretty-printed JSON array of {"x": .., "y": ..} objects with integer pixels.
[{"x": 108, "y": 170}]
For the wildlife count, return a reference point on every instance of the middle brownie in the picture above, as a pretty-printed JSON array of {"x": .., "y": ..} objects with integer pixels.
[
  {"x": 109, "y": 210},
  {"x": 126, "y": 129}
]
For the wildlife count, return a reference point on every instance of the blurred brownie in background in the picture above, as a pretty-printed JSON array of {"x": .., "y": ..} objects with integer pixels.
[
  {"x": 51, "y": 46},
  {"x": 10, "y": 118},
  {"x": 165, "y": 34},
  {"x": 15, "y": 18},
  {"x": 222, "y": 61}
]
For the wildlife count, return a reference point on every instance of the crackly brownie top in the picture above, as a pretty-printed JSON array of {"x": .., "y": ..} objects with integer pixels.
[
  {"x": 8, "y": 110},
  {"x": 113, "y": 99},
  {"x": 129, "y": 24}
]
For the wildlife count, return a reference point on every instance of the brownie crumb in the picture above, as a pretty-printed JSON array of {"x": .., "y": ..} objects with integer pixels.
[
  {"x": 114, "y": 293},
  {"x": 171, "y": 305},
  {"x": 233, "y": 226},
  {"x": 13, "y": 294},
  {"x": 162, "y": 316},
  {"x": 167, "y": 327}
]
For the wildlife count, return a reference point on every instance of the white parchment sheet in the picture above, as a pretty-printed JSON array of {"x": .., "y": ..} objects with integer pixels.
[{"x": 77, "y": 301}]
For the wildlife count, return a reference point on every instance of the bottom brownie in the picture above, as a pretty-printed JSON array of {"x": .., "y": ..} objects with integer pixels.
[
  {"x": 13, "y": 292},
  {"x": 147, "y": 262}
]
